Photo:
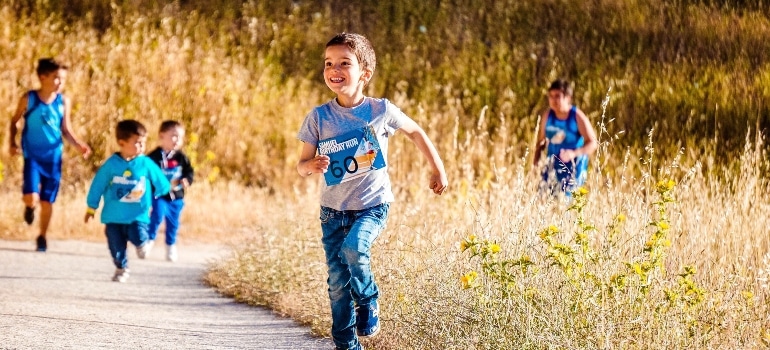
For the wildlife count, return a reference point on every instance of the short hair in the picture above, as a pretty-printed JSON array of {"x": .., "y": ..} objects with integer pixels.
[
  {"x": 167, "y": 125},
  {"x": 360, "y": 46},
  {"x": 49, "y": 65},
  {"x": 562, "y": 85},
  {"x": 127, "y": 128}
]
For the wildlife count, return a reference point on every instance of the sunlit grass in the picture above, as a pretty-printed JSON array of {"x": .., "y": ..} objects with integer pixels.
[{"x": 675, "y": 91}]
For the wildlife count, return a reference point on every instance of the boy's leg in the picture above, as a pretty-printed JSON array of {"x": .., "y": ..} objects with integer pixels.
[
  {"x": 30, "y": 189},
  {"x": 355, "y": 251},
  {"x": 50, "y": 179},
  {"x": 334, "y": 225},
  {"x": 156, "y": 217},
  {"x": 173, "y": 212},
  {"x": 137, "y": 235},
  {"x": 117, "y": 238}
]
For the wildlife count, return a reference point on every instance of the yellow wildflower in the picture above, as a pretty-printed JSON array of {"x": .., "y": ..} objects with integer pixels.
[
  {"x": 469, "y": 279},
  {"x": 494, "y": 248},
  {"x": 747, "y": 294}
]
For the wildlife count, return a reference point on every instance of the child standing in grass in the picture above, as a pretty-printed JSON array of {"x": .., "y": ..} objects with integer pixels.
[
  {"x": 355, "y": 200},
  {"x": 178, "y": 169},
  {"x": 46, "y": 112},
  {"x": 125, "y": 181},
  {"x": 568, "y": 137}
]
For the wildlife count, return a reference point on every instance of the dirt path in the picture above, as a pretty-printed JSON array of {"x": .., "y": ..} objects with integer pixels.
[{"x": 65, "y": 299}]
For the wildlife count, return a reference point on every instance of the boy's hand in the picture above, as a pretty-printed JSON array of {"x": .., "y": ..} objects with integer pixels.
[
  {"x": 185, "y": 183},
  {"x": 319, "y": 164},
  {"x": 438, "y": 183},
  {"x": 90, "y": 214},
  {"x": 14, "y": 150},
  {"x": 84, "y": 150}
]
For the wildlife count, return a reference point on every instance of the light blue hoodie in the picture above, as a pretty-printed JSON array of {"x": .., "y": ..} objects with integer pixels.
[{"x": 126, "y": 187}]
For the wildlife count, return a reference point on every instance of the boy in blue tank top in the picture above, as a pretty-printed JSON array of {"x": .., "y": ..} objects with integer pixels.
[
  {"x": 346, "y": 140},
  {"x": 568, "y": 138},
  {"x": 46, "y": 114},
  {"x": 128, "y": 181}
]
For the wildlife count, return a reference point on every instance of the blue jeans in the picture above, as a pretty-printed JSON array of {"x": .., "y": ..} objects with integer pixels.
[
  {"x": 118, "y": 236},
  {"x": 347, "y": 238},
  {"x": 169, "y": 210}
]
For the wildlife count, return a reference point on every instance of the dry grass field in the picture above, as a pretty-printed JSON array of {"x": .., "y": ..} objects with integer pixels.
[{"x": 667, "y": 247}]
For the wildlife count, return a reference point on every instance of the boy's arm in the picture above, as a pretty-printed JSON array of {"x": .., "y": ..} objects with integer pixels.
[
  {"x": 438, "y": 179},
  {"x": 95, "y": 192},
  {"x": 188, "y": 172},
  {"x": 310, "y": 163},
  {"x": 67, "y": 132},
  {"x": 21, "y": 107},
  {"x": 158, "y": 180}
]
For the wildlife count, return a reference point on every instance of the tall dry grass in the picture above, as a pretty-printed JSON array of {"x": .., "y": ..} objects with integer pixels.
[{"x": 686, "y": 81}]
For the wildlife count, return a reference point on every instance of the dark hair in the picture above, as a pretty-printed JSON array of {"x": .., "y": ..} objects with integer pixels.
[
  {"x": 49, "y": 65},
  {"x": 360, "y": 46},
  {"x": 127, "y": 128},
  {"x": 167, "y": 125},
  {"x": 562, "y": 85}
]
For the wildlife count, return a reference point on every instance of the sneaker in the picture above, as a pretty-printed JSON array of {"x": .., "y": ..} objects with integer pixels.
[
  {"x": 121, "y": 275},
  {"x": 171, "y": 253},
  {"x": 42, "y": 244},
  {"x": 148, "y": 247},
  {"x": 368, "y": 319},
  {"x": 142, "y": 250},
  {"x": 358, "y": 347},
  {"x": 29, "y": 215}
]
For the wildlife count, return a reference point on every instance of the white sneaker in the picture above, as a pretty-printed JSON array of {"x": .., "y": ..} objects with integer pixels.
[
  {"x": 121, "y": 275},
  {"x": 143, "y": 250},
  {"x": 148, "y": 247},
  {"x": 171, "y": 253}
]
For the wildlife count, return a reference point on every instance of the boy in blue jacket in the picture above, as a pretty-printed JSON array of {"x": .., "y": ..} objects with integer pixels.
[{"x": 126, "y": 180}]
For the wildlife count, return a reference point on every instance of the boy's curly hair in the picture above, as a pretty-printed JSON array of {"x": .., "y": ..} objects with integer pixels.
[{"x": 360, "y": 46}]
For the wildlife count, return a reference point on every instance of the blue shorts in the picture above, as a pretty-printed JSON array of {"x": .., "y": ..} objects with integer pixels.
[{"x": 42, "y": 178}]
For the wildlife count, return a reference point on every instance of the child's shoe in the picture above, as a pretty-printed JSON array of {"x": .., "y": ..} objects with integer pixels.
[
  {"x": 121, "y": 275},
  {"x": 368, "y": 319},
  {"x": 358, "y": 347},
  {"x": 148, "y": 247},
  {"x": 171, "y": 253},
  {"x": 142, "y": 250},
  {"x": 42, "y": 244},
  {"x": 29, "y": 215}
]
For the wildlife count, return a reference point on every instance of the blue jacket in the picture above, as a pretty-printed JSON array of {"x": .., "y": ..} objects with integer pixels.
[{"x": 126, "y": 187}]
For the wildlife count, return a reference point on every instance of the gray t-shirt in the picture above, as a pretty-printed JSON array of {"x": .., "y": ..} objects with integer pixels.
[{"x": 331, "y": 120}]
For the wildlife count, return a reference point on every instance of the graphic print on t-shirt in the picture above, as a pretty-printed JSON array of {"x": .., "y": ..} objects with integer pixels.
[
  {"x": 352, "y": 155},
  {"x": 127, "y": 189}
]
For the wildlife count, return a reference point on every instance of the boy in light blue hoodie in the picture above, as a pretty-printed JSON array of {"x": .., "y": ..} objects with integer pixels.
[{"x": 126, "y": 180}]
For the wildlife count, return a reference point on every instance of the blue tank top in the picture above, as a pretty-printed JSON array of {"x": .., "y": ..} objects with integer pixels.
[
  {"x": 564, "y": 134},
  {"x": 41, "y": 138}
]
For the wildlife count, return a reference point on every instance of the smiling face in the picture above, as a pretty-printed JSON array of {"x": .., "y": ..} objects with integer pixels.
[
  {"x": 133, "y": 146},
  {"x": 344, "y": 75},
  {"x": 172, "y": 139}
]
